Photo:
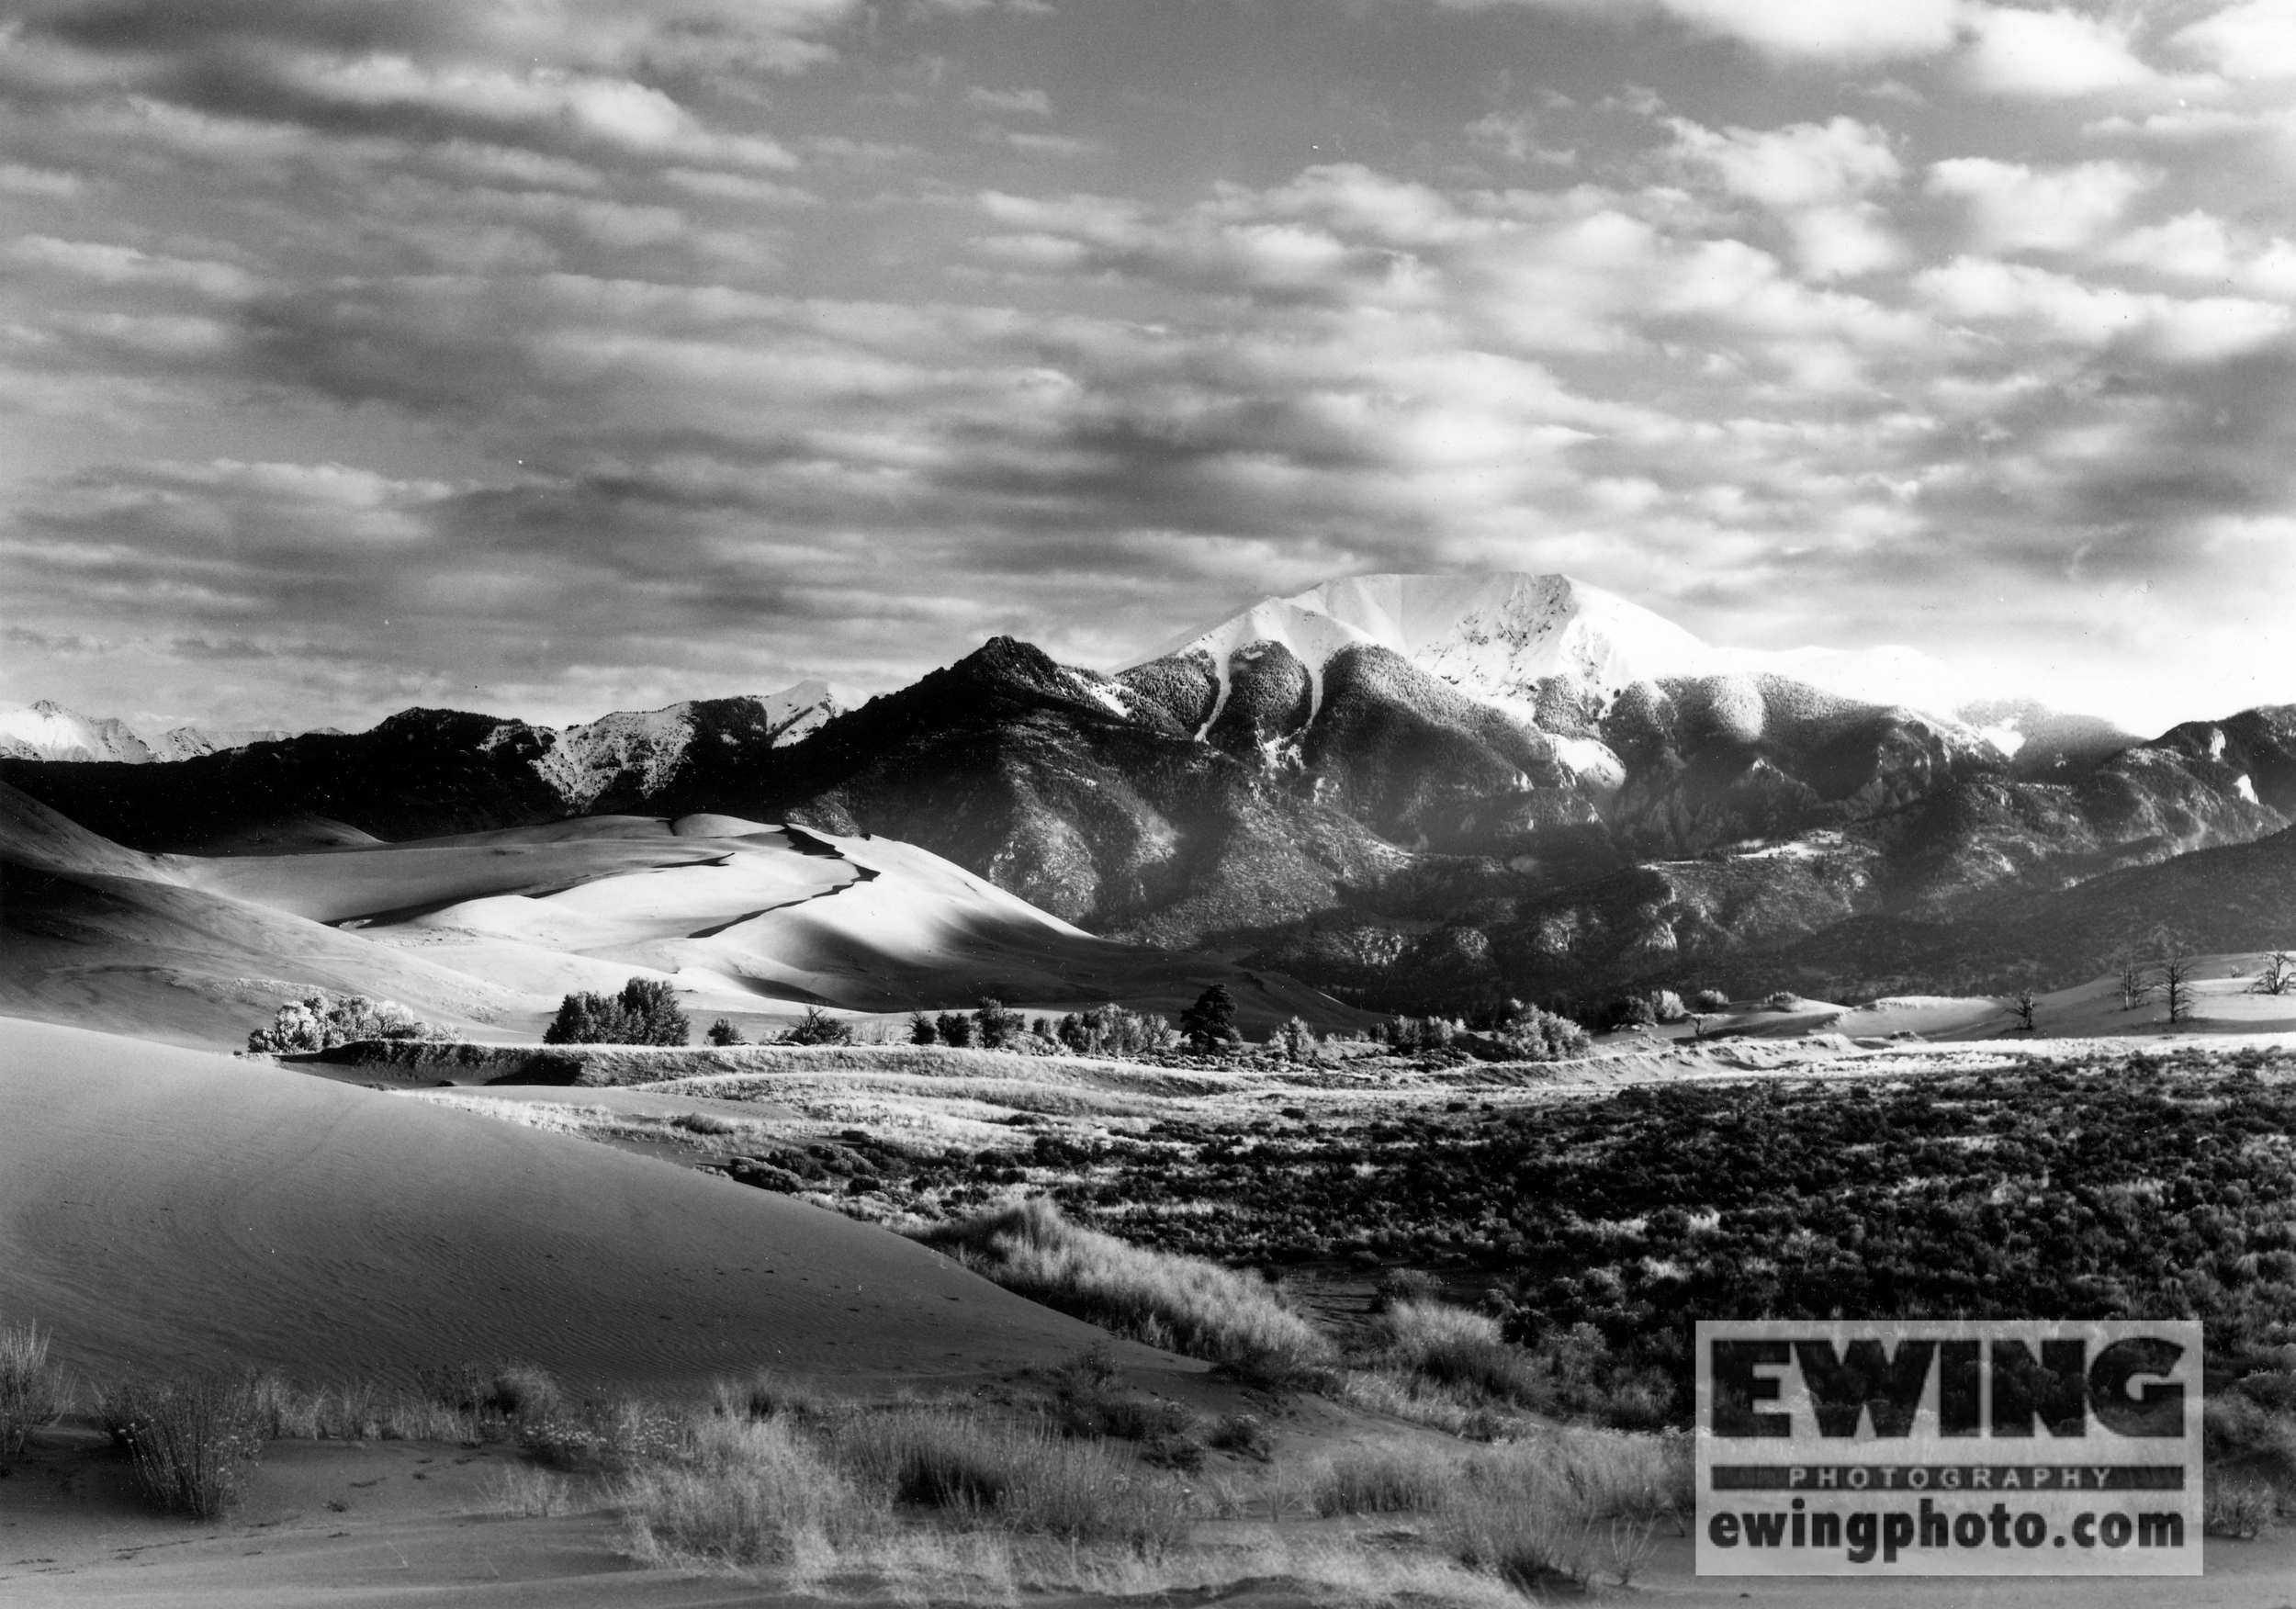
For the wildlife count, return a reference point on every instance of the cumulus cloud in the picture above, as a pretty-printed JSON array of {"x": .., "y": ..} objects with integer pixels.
[
  {"x": 1816, "y": 176},
  {"x": 2255, "y": 38},
  {"x": 2013, "y": 207},
  {"x": 1792, "y": 31},
  {"x": 603, "y": 355},
  {"x": 2050, "y": 55}
]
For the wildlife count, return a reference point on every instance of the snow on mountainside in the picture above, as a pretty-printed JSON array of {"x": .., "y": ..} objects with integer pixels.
[
  {"x": 1497, "y": 637},
  {"x": 643, "y": 748},
  {"x": 49, "y": 731}
]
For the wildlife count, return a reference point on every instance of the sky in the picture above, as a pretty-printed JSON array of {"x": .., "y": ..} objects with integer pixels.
[{"x": 546, "y": 357}]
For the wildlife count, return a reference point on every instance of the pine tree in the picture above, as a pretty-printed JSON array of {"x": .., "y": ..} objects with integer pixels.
[{"x": 1209, "y": 1024}]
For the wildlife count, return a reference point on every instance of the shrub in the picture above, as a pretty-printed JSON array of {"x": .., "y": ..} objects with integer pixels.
[
  {"x": 194, "y": 1440},
  {"x": 1243, "y": 1434},
  {"x": 2239, "y": 1506},
  {"x": 1188, "y": 1305},
  {"x": 1296, "y": 1039},
  {"x": 1574, "y": 1505},
  {"x": 504, "y": 1386},
  {"x": 954, "y": 1027},
  {"x": 1667, "y": 1005},
  {"x": 994, "y": 1027},
  {"x": 1013, "y": 1475},
  {"x": 1527, "y": 1034},
  {"x": 1111, "y": 1031},
  {"x": 1451, "y": 1347},
  {"x": 1385, "y": 1480},
  {"x": 764, "y": 1395},
  {"x": 1209, "y": 1024},
  {"x": 1419, "y": 1035},
  {"x": 1711, "y": 1000},
  {"x": 1781, "y": 1000},
  {"x": 1630, "y": 1011},
  {"x": 645, "y": 1013},
  {"x": 321, "y": 1021},
  {"x": 753, "y": 1492},
  {"x": 723, "y": 1034},
  {"x": 32, "y": 1391},
  {"x": 606, "y": 1436},
  {"x": 816, "y": 1026},
  {"x": 1405, "y": 1284}
]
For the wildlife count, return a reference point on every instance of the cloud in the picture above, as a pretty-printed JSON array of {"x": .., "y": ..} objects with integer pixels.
[
  {"x": 2049, "y": 55},
  {"x": 2206, "y": 330},
  {"x": 1824, "y": 31},
  {"x": 601, "y": 354},
  {"x": 1804, "y": 165},
  {"x": 2254, "y": 39},
  {"x": 1816, "y": 177},
  {"x": 2015, "y": 207},
  {"x": 1031, "y": 103},
  {"x": 2201, "y": 247}
]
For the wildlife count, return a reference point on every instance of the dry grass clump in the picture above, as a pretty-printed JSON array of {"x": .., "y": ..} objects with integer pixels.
[
  {"x": 1451, "y": 1347},
  {"x": 193, "y": 1439},
  {"x": 1014, "y": 1475},
  {"x": 1387, "y": 1481},
  {"x": 751, "y": 1492},
  {"x": 1421, "y": 1401},
  {"x": 530, "y": 1494},
  {"x": 1183, "y": 1304},
  {"x": 1576, "y": 1505},
  {"x": 33, "y": 1393}
]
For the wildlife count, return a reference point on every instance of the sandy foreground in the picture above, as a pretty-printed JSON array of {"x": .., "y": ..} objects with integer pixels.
[
  {"x": 166, "y": 1208},
  {"x": 417, "y": 1526}
]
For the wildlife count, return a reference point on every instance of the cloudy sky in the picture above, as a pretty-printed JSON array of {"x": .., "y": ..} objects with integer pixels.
[{"x": 550, "y": 356}]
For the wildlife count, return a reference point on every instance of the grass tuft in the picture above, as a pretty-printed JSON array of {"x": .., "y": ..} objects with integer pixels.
[
  {"x": 32, "y": 1391},
  {"x": 1014, "y": 1475},
  {"x": 1184, "y": 1303}
]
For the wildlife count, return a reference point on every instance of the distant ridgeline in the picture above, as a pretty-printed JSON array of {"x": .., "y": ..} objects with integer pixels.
[{"x": 1421, "y": 792}]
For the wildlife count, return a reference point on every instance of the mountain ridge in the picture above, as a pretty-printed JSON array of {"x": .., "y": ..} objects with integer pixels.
[{"x": 1286, "y": 788}]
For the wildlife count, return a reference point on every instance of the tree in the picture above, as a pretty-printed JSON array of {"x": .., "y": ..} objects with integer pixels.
[
  {"x": 2135, "y": 982},
  {"x": 954, "y": 1027},
  {"x": 921, "y": 1029},
  {"x": 2020, "y": 1006},
  {"x": 723, "y": 1033},
  {"x": 645, "y": 1013},
  {"x": 1296, "y": 1039},
  {"x": 1209, "y": 1024},
  {"x": 2178, "y": 976},
  {"x": 995, "y": 1027},
  {"x": 2279, "y": 976},
  {"x": 816, "y": 1026}
]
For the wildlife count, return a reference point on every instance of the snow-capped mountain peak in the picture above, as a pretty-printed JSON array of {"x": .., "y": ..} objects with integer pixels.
[{"x": 1497, "y": 637}]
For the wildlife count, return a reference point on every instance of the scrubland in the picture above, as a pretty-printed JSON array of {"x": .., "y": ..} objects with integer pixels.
[{"x": 1549, "y": 1235}]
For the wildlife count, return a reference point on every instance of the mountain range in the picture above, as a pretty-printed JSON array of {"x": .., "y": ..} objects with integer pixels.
[{"x": 1415, "y": 791}]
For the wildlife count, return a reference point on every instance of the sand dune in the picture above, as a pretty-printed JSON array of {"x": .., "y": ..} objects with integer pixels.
[
  {"x": 162, "y": 1209},
  {"x": 482, "y": 933}
]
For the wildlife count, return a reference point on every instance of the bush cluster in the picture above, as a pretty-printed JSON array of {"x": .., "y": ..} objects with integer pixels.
[
  {"x": 321, "y": 1021},
  {"x": 645, "y": 1013},
  {"x": 1112, "y": 1031}
]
